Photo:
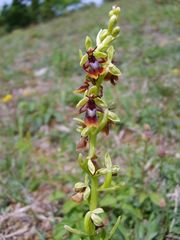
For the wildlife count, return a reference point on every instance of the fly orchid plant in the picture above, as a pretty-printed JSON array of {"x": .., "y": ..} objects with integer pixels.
[{"x": 99, "y": 67}]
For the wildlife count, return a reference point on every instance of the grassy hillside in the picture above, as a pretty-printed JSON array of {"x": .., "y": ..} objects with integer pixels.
[{"x": 39, "y": 69}]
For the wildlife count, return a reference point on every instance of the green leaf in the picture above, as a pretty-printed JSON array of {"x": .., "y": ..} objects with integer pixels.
[
  {"x": 57, "y": 195},
  {"x": 68, "y": 206},
  {"x": 112, "y": 232},
  {"x": 75, "y": 231},
  {"x": 155, "y": 198},
  {"x": 142, "y": 197},
  {"x": 108, "y": 200}
]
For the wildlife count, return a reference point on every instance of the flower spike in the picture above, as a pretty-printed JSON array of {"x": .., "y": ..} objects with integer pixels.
[{"x": 99, "y": 66}]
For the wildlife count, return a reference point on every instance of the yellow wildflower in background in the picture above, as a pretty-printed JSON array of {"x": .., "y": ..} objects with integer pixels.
[
  {"x": 176, "y": 72},
  {"x": 7, "y": 98},
  {"x": 178, "y": 39}
]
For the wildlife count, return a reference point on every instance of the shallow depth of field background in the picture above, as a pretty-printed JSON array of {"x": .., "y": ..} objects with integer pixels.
[{"x": 39, "y": 69}]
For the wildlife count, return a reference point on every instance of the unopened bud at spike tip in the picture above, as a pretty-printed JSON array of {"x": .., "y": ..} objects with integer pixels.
[
  {"x": 116, "y": 31},
  {"x": 112, "y": 23}
]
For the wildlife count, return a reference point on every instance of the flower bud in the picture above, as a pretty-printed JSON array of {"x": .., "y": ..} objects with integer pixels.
[
  {"x": 111, "y": 13},
  {"x": 116, "y": 10},
  {"x": 80, "y": 187},
  {"x": 104, "y": 34},
  {"x": 96, "y": 220},
  {"x": 112, "y": 23},
  {"x": 91, "y": 167},
  {"x": 86, "y": 193},
  {"x": 105, "y": 43},
  {"x": 77, "y": 197},
  {"x": 116, "y": 31},
  {"x": 115, "y": 169}
]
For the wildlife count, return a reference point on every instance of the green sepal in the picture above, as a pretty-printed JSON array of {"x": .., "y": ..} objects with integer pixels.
[
  {"x": 101, "y": 171},
  {"x": 83, "y": 163},
  {"x": 83, "y": 60},
  {"x": 80, "y": 121},
  {"x": 88, "y": 225},
  {"x": 86, "y": 193},
  {"x": 85, "y": 131},
  {"x": 98, "y": 211},
  {"x": 91, "y": 167},
  {"x": 80, "y": 54},
  {"x": 79, "y": 186},
  {"x": 96, "y": 220},
  {"x": 110, "y": 52},
  {"x": 88, "y": 43},
  {"x": 82, "y": 102},
  {"x": 107, "y": 161},
  {"x": 113, "y": 117},
  {"x": 100, "y": 102},
  {"x": 99, "y": 54},
  {"x": 115, "y": 169},
  {"x": 114, "y": 70},
  {"x": 93, "y": 91}
]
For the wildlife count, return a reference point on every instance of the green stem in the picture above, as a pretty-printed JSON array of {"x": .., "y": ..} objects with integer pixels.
[
  {"x": 92, "y": 144},
  {"x": 107, "y": 181},
  {"x": 99, "y": 82},
  {"x": 94, "y": 179},
  {"x": 94, "y": 193}
]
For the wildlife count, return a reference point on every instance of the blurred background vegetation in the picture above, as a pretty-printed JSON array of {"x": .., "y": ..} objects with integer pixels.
[
  {"x": 22, "y": 13},
  {"x": 39, "y": 69}
]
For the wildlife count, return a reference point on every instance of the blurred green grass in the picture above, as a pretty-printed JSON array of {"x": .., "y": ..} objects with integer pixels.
[{"x": 39, "y": 66}]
